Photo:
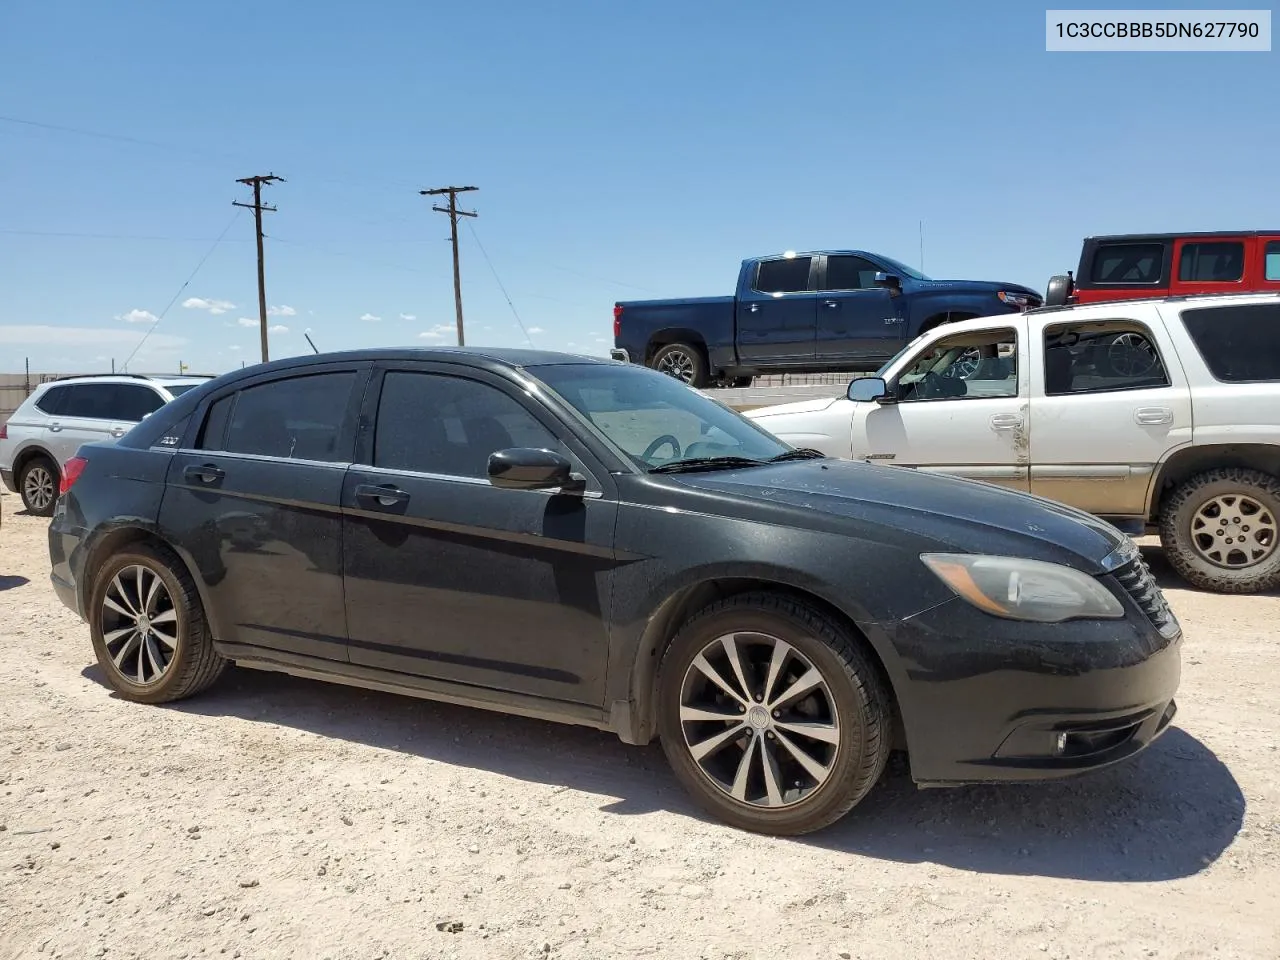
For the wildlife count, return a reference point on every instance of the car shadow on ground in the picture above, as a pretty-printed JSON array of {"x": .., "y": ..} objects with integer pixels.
[
  {"x": 1167, "y": 578},
  {"x": 12, "y": 582},
  {"x": 1164, "y": 814}
]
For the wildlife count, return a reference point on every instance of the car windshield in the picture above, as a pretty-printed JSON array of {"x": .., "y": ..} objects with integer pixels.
[
  {"x": 898, "y": 265},
  {"x": 656, "y": 419}
]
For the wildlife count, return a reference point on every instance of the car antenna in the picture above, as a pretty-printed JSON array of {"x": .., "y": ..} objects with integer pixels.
[{"x": 307, "y": 334}]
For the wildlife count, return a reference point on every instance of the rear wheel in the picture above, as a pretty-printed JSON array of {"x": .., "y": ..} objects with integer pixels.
[
  {"x": 1221, "y": 530},
  {"x": 682, "y": 361},
  {"x": 772, "y": 715},
  {"x": 38, "y": 484}
]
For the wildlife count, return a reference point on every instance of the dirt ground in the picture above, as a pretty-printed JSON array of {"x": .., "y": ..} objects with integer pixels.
[{"x": 274, "y": 817}]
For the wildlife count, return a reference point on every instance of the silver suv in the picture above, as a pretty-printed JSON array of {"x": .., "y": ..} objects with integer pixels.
[{"x": 62, "y": 415}]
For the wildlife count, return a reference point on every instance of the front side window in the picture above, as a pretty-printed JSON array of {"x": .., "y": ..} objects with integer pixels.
[
  {"x": 1128, "y": 263},
  {"x": 91, "y": 401},
  {"x": 433, "y": 423},
  {"x": 850, "y": 273},
  {"x": 1216, "y": 262},
  {"x": 787, "y": 275},
  {"x": 1100, "y": 357},
  {"x": 656, "y": 419},
  {"x": 1239, "y": 343},
  {"x": 964, "y": 366},
  {"x": 298, "y": 418}
]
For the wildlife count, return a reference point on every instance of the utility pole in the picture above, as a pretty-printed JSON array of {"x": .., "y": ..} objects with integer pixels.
[
  {"x": 454, "y": 213},
  {"x": 257, "y": 208}
]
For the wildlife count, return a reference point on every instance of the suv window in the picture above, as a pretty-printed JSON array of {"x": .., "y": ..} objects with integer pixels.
[
  {"x": 131, "y": 403},
  {"x": 1272, "y": 271},
  {"x": 94, "y": 401},
  {"x": 433, "y": 423},
  {"x": 1100, "y": 357},
  {"x": 850, "y": 273},
  {"x": 298, "y": 418},
  {"x": 965, "y": 366},
  {"x": 1240, "y": 343},
  {"x": 52, "y": 400},
  {"x": 1127, "y": 263},
  {"x": 784, "y": 275},
  {"x": 1217, "y": 262}
]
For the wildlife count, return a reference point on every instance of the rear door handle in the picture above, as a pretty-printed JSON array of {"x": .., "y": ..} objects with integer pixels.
[
  {"x": 1153, "y": 415},
  {"x": 387, "y": 495},
  {"x": 831, "y": 304},
  {"x": 207, "y": 473},
  {"x": 55, "y": 427},
  {"x": 117, "y": 431}
]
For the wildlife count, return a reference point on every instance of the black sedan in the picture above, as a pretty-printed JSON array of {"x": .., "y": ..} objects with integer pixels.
[{"x": 597, "y": 543}]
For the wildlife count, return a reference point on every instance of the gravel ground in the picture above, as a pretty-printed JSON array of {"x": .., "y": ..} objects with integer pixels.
[{"x": 275, "y": 817}]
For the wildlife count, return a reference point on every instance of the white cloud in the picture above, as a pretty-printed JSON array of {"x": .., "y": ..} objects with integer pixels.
[
  {"x": 139, "y": 316},
  {"x": 571, "y": 344},
  {"x": 533, "y": 330},
  {"x": 369, "y": 318},
  {"x": 234, "y": 346},
  {"x": 602, "y": 339},
  {"x": 284, "y": 310},
  {"x": 248, "y": 322},
  {"x": 436, "y": 332},
  {"x": 47, "y": 335},
  {"x": 213, "y": 306},
  {"x": 278, "y": 328},
  {"x": 408, "y": 317}
]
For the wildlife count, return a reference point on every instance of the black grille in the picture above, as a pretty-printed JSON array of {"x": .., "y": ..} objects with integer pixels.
[{"x": 1135, "y": 577}]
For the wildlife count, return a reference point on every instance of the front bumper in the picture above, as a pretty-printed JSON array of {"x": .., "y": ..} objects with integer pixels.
[{"x": 985, "y": 699}]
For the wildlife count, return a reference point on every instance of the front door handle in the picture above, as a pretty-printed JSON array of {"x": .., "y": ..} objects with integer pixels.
[
  {"x": 753, "y": 308},
  {"x": 206, "y": 473},
  {"x": 386, "y": 495},
  {"x": 1006, "y": 421},
  {"x": 1153, "y": 415}
]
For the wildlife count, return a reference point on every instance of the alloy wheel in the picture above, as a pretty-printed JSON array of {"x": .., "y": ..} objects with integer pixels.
[
  {"x": 38, "y": 488},
  {"x": 139, "y": 623},
  {"x": 678, "y": 364},
  {"x": 1233, "y": 530},
  {"x": 759, "y": 720}
]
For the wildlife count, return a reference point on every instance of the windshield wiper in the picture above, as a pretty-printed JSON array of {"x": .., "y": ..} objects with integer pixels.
[
  {"x": 705, "y": 463},
  {"x": 802, "y": 453}
]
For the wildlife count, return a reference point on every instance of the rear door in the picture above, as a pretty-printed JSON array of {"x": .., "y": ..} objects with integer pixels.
[
  {"x": 130, "y": 405},
  {"x": 1209, "y": 265},
  {"x": 253, "y": 498},
  {"x": 777, "y": 314},
  {"x": 856, "y": 320},
  {"x": 84, "y": 416}
]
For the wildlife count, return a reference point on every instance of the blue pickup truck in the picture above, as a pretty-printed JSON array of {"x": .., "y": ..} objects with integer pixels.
[{"x": 802, "y": 313}]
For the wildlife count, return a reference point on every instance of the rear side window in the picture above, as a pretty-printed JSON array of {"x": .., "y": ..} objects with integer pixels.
[
  {"x": 1240, "y": 343},
  {"x": 133, "y": 403},
  {"x": 783, "y": 276},
  {"x": 299, "y": 418},
  {"x": 1272, "y": 271},
  {"x": 52, "y": 400},
  {"x": 1128, "y": 263},
  {"x": 1101, "y": 357},
  {"x": 1216, "y": 262}
]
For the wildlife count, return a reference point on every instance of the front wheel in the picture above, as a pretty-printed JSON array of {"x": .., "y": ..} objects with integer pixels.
[
  {"x": 771, "y": 715},
  {"x": 1221, "y": 530},
  {"x": 682, "y": 361}
]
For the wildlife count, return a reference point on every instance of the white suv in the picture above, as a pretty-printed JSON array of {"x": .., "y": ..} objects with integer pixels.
[
  {"x": 61, "y": 415},
  {"x": 1158, "y": 415}
]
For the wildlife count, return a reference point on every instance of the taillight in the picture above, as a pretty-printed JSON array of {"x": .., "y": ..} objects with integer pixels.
[
  {"x": 71, "y": 473},
  {"x": 617, "y": 320}
]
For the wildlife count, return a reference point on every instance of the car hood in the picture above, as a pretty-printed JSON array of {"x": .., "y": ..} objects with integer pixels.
[
  {"x": 937, "y": 512},
  {"x": 816, "y": 405},
  {"x": 975, "y": 286}
]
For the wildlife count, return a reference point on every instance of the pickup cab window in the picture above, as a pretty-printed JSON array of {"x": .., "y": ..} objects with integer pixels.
[
  {"x": 965, "y": 366},
  {"x": 1101, "y": 356},
  {"x": 785, "y": 275}
]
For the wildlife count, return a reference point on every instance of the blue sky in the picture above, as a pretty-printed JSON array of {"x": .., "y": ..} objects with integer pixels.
[{"x": 622, "y": 152}]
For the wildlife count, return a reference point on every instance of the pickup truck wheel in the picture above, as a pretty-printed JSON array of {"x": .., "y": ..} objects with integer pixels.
[
  {"x": 683, "y": 362},
  {"x": 1221, "y": 530},
  {"x": 771, "y": 714},
  {"x": 37, "y": 482}
]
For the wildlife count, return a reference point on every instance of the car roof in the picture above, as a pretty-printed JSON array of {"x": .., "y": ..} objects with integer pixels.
[
  {"x": 512, "y": 357},
  {"x": 1208, "y": 234},
  {"x": 159, "y": 379}
]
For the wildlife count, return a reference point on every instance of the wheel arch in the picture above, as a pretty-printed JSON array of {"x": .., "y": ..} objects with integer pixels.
[
  {"x": 946, "y": 316},
  {"x": 1188, "y": 461},
  {"x": 679, "y": 607},
  {"x": 29, "y": 453},
  {"x": 669, "y": 335}
]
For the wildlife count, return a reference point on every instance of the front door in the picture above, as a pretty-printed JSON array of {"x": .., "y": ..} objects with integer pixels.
[
  {"x": 451, "y": 578},
  {"x": 85, "y": 414},
  {"x": 960, "y": 409},
  {"x": 777, "y": 315},
  {"x": 856, "y": 319},
  {"x": 253, "y": 499}
]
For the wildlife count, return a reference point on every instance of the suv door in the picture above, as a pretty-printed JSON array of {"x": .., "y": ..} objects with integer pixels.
[
  {"x": 777, "y": 315},
  {"x": 856, "y": 319},
  {"x": 84, "y": 416},
  {"x": 958, "y": 405},
  {"x": 252, "y": 500},
  {"x": 1109, "y": 402},
  {"x": 451, "y": 578}
]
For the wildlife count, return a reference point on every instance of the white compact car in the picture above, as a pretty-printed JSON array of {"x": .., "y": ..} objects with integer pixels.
[
  {"x": 1158, "y": 415},
  {"x": 61, "y": 415}
]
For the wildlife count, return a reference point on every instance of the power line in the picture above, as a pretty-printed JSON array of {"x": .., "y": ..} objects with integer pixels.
[
  {"x": 257, "y": 207},
  {"x": 476, "y": 238},
  {"x": 454, "y": 213},
  {"x": 208, "y": 253},
  {"x": 105, "y": 236}
]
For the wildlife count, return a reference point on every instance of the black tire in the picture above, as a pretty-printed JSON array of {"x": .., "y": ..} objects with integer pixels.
[
  {"x": 30, "y": 478},
  {"x": 1180, "y": 510},
  {"x": 193, "y": 665},
  {"x": 682, "y": 361},
  {"x": 854, "y": 691}
]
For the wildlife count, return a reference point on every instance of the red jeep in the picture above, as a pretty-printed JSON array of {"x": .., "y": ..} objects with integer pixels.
[{"x": 1142, "y": 265}]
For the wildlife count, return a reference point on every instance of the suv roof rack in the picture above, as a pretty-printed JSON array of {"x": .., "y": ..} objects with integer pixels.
[
  {"x": 1167, "y": 298},
  {"x": 134, "y": 376}
]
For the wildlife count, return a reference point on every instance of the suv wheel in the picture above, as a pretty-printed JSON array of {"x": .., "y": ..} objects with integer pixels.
[
  {"x": 38, "y": 484},
  {"x": 148, "y": 628},
  {"x": 771, "y": 715},
  {"x": 1221, "y": 530}
]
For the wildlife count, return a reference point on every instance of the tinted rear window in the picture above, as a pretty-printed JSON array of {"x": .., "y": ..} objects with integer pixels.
[
  {"x": 51, "y": 400},
  {"x": 783, "y": 276},
  {"x": 1221, "y": 261},
  {"x": 1128, "y": 263},
  {"x": 1240, "y": 343}
]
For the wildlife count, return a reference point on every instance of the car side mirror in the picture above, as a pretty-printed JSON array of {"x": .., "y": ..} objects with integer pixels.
[
  {"x": 527, "y": 468},
  {"x": 869, "y": 389},
  {"x": 888, "y": 280}
]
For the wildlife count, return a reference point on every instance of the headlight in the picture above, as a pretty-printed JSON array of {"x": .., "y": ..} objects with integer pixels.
[
  {"x": 1015, "y": 299},
  {"x": 1020, "y": 589}
]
